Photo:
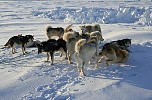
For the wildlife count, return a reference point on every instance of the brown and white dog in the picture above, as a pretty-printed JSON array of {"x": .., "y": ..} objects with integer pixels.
[
  {"x": 71, "y": 38},
  {"x": 113, "y": 54},
  {"x": 59, "y": 31},
  {"x": 85, "y": 50}
]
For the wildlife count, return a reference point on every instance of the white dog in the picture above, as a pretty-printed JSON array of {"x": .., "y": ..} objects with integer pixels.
[
  {"x": 85, "y": 50},
  {"x": 71, "y": 38},
  {"x": 59, "y": 31}
]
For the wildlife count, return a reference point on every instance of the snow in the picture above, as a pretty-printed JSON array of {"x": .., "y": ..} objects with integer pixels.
[{"x": 29, "y": 77}]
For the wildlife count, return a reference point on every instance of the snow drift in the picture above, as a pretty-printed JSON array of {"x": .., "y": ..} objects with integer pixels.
[{"x": 84, "y": 15}]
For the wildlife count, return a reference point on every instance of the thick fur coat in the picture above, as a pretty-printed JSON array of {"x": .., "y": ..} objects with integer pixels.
[
  {"x": 71, "y": 38},
  {"x": 51, "y": 46},
  {"x": 84, "y": 51},
  {"x": 114, "y": 54},
  {"x": 19, "y": 40},
  {"x": 59, "y": 31}
]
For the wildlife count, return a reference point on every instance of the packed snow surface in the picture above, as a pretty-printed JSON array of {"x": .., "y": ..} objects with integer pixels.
[{"x": 29, "y": 77}]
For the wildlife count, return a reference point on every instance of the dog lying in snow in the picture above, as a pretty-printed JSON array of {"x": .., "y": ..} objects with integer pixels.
[
  {"x": 85, "y": 50},
  {"x": 113, "y": 54},
  {"x": 19, "y": 40},
  {"x": 52, "y": 46},
  {"x": 59, "y": 31}
]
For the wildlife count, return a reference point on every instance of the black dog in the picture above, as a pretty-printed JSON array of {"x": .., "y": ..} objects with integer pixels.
[
  {"x": 51, "y": 46},
  {"x": 19, "y": 40}
]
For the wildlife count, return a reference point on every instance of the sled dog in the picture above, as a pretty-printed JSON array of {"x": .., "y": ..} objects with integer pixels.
[
  {"x": 51, "y": 46},
  {"x": 85, "y": 50},
  {"x": 19, "y": 40},
  {"x": 90, "y": 28},
  {"x": 123, "y": 43},
  {"x": 71, "y": 38},
  {"x": 59, "y": 31},
  {"x": 113, "y": 54}
]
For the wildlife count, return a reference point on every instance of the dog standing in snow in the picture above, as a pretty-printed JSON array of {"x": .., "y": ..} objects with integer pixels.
[
  {"x": 85, "y": 50},
  {"x": 59, "y": 31},
  {"x": 19, "y": 40},
  {"x": 52, "y": 46},
  {"x": 71, "y": 38}
]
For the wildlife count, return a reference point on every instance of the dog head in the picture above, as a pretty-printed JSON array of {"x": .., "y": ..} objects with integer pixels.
[
  {"x": 97, "y": 34},
  {"x": 40, "y": 47},
  {"x": 127, "y": 42},
  {"x": 29, "y": 38},
  {"x": 86, "y": 28},
  {"x": 92, "y": 39},
  {"x": 123, "y": 43},
  {"x": 46, "y": 46}
]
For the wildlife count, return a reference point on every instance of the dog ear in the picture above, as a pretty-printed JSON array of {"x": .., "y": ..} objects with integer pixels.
[
  {"x": 80, "y": 27},
  {"x": 19, "y": 35}
]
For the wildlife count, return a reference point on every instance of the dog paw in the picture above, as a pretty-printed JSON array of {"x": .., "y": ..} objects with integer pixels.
[
  {"x": 99, "y": 61},
  {"x": 70, "y": 62},
  {"x": 46, "y": 61},
  {"x": 96, "y": 67},
  {"x": 82, "y": 74}
]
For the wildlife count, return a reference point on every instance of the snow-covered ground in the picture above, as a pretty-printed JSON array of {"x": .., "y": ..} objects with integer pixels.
[{"x": 29, "y": 77}]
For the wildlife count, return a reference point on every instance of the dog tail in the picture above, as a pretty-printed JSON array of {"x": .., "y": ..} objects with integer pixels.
[
  {"x": 79, "y": 44},
  {"x": 69, "y": 35},
  {"x": 7, "y": 44},
  {"x": 68, "y": 28}
]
